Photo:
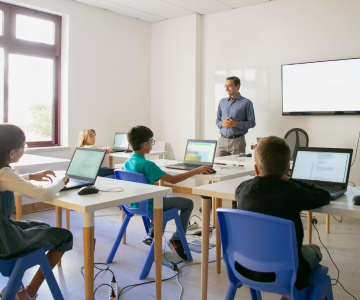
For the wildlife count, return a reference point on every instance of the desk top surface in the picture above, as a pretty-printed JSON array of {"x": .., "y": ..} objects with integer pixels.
[
  {"x": 132, "y": 192},
  {"x": 127, "y": 155},
  {"x": 342, "y": 206},
  {"x": 29, "y": 160},
  {"x": 222, "y": 172}
]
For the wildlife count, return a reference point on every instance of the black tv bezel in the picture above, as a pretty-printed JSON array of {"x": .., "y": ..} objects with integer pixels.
[{"x": 313, "y": 113}]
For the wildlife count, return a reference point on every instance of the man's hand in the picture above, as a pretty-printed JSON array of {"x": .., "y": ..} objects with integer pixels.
[
  {"x": 228, "y": 123},
  {"x": 42, "y": 176},
  {"x": 204, "y": 170}
]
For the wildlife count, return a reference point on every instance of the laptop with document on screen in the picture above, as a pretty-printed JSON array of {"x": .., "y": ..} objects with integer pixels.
[
  {"x": 84, "y": 167},
  {"x": 198, "y": 153},
  {"x": 326, "y": 168}
]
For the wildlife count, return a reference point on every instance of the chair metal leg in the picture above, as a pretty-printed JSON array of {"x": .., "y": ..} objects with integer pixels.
[
  {"x": 50, "y": 279},
  {"x": 118, "y": 240},
  {"x": 181, "y": 233},
  {"x": 231, "y": 292},
  {"x": 146, "y": 224},
  {"x": 148, "y": 263}
]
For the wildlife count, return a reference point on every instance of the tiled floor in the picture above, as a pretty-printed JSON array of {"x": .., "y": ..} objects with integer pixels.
[{"x": 343, "y": 244}]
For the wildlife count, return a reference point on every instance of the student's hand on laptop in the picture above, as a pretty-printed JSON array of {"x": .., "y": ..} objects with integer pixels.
[
  {"x": 42, "y": 176},
  {"x": 107, "y": 149},
  {"x": 65, "y": 180},
  {"x": 204, "y": 170}
]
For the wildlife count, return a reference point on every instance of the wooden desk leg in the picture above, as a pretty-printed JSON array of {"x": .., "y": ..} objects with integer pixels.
[
  {"x": 88, "y": 229},
  {"x": 111, "y": 162},
  {"x": 161, "y": 182},
  {"x": 213, "y": 209},
  {"x": 67, "y": 219},
  {"x": 18, "y": 205},
  {"x": 158, "y": 232},
  {"x": 58, "y": 212},
  {"x": 218, "y": 204},
  {"x": 309, "y": 226},
  {"x": 124, "y": 236},
  {"x": 327, "y": 223},
  {"x": 205, "y": 247}
]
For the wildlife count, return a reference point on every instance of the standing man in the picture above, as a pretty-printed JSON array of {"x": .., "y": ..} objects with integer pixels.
[{"x": 234, "y": 118}]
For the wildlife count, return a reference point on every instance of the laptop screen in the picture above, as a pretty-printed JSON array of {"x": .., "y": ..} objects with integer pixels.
[
  {"x": 322, "y": 166},
  {"x": 86, "y": 163},
  {"x": 200, "y": 152},
  {"x": 121, "y": 141}
]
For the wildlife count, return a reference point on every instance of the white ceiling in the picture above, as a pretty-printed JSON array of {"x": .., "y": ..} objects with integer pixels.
[{"x": 158, "y": 10}]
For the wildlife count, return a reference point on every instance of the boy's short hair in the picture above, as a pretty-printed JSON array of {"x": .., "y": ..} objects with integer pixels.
[
  {"x": 138, "y": 135},
  {"x": 272, "y": 156}
]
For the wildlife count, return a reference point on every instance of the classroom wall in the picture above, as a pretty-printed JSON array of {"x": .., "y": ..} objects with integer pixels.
[
  {"x": 107, "y": 86},
  {"x": 176, "y": 82},
  {"x": 275, "y": 33}
]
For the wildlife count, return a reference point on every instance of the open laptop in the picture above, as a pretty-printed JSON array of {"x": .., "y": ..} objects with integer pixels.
[
  {"x": 121, "y": 143},
  {"x": 198, "y": 153},
  {"x": 326, "y": 168},
  {"x": 84, "y": 167}
]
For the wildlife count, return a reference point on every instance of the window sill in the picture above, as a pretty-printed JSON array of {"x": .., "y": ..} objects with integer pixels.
[{"x": 47, "y": 149}]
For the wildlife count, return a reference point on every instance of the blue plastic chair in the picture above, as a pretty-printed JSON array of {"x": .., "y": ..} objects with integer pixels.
[
  {"x": 15, "y": 268},
  {"x": 261, "y": 252},
  {"x": 146, "y": 213}
]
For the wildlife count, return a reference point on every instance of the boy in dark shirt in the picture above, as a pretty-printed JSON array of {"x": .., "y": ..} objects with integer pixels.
[{"x": 272, "y": 193}]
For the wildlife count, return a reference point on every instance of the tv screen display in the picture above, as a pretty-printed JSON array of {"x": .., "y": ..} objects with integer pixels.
[{"x": 318, "y": 88}]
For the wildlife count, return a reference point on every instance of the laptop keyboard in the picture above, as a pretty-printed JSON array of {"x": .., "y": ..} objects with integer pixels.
[
  {"x": 330, "y": 189},
  {"x": 76, "y": 182}
]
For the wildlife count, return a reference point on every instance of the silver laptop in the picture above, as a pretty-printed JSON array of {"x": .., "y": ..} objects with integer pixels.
[
  {"x": 121, "y": 143},
  {"x": 84, "y": 167},
  {"x": 326, "y": 168},
  {"x": 198, "y": 153}
]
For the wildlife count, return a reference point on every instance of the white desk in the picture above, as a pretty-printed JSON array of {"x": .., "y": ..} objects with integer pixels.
[
  {"x": 234, "y": 160},
  {"x": 88, "y": 204},
  {"x": 127, "y": 155},
  {"x": 226, "y": 190},
  {"x": 28, "y": 161}
]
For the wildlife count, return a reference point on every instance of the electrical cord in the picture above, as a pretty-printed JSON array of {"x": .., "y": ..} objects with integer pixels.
[
  {"x": 338, "y": 271},
  {"x": 357, "y": 146},
  {"x": 103, "y": 285},
  {"x": 354, "y": 185},
  {"x": 337, "y": 219}
]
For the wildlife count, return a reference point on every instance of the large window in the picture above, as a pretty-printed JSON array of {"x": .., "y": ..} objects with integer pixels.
[{"x": 30, "y": 52}]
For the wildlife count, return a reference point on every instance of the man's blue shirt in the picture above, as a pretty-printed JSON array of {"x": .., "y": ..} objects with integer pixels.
[{"x": 240, "y": 110}]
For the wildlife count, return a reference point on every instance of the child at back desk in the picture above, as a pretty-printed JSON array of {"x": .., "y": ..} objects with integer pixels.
[
  {"x": 87, "y": 140},
  {"x": 141, "y": 140},
  {"x": 272, "y": 193}
]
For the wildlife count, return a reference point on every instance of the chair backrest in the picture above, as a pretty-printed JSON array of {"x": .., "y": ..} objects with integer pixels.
[
  {"x": 159, "y": 146},
  {"x": 259, "y": 250},
  {"x": 134, "y": 177},
  {"x": 295, "y": 138}
]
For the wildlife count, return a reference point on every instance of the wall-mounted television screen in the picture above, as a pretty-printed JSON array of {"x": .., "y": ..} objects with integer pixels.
[{"x": 321, "y": 88}]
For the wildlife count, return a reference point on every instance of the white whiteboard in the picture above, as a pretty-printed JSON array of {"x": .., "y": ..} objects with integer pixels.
[{"x": 254, "y": 86}]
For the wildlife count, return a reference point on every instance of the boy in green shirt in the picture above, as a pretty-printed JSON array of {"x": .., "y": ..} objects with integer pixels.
[{"x": 141, "y": 140}]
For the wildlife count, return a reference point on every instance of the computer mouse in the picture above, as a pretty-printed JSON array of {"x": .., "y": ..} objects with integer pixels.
[
  {"x": 129, "y": 151},
  {"x": 356, "y": 200},
  {"x": 86, "y": 190},
  {"x": 248, "y": 155},
  {"x": 242, "y": 155},
  {"x": 213, "y": 172}
]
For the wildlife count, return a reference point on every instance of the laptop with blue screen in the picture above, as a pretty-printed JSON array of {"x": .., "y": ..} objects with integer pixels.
[
  {"x": 84, "y": 167},
  {"x": 326, "y": 168},
  {"x": 198, "y": 153}
]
